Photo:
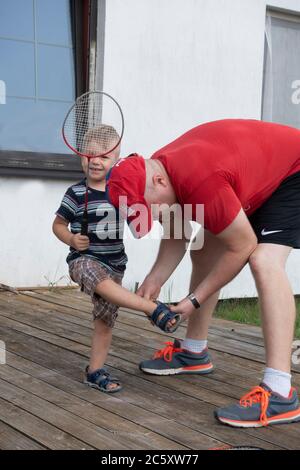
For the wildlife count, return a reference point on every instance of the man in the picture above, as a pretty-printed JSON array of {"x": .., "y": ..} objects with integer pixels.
[{"x": 247, "y": 175}]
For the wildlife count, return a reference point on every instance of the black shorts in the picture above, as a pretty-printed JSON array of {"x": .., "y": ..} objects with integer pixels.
[{"x": 278, "y": 219}]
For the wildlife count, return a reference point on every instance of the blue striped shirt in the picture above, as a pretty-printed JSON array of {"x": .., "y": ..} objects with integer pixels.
[{"x": 105, "y": 229}]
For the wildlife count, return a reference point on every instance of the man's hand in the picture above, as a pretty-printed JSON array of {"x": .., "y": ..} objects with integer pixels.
[
  {"x": 79, "y": 242},
  {"x": 185, "y": 308},
  {"x": 150, "y": 289}
]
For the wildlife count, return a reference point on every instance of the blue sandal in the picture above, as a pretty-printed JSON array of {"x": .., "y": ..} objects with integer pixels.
[
  {"x": 101, "y": 380},
  {"x": 162, "y": 315}
]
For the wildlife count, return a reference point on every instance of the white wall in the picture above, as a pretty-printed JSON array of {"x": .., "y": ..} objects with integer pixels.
[
  {"x": 172, "y": 64},
  {"x": 29, "y": 253}
]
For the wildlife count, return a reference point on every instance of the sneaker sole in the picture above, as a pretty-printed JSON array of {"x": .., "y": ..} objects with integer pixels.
[
  {"x": 285, "y": 418},
  {"x": 202, "y": 370}
]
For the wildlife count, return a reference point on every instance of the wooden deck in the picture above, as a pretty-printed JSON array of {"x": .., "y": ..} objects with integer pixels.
[{"x": 44, "y": 405}]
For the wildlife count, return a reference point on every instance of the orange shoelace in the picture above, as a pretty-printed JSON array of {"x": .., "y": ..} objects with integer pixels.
[
  {"x": 167, "y": 352},
  {"x": 257, "y": 395}
]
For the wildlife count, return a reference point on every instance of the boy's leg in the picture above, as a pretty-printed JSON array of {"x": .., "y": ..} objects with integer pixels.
[
  {"x": 101, "y": 341},
  {"x": 118, "y": 295}
]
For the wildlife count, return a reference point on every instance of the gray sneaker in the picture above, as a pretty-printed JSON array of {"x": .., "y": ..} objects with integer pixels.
[
  {"x": 261, "y": 407},
  {"x": 173, "y": 359}
]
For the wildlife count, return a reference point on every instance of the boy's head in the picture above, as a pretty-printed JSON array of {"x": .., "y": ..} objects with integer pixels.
[{"x": 96, "y": 142}]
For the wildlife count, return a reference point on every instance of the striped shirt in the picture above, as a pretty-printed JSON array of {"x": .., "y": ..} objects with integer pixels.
[{"x": 105, "y": 230}]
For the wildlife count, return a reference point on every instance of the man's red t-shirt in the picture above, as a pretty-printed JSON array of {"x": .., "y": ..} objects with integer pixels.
[{"x": 230, "y": 164}]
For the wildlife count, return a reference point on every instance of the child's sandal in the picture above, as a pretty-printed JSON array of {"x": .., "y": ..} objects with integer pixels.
[
  {"x": 101, "y": 380},
  {"x": 162, "y": 315}
]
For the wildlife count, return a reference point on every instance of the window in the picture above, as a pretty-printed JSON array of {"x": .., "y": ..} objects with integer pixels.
[
  {"x": 281, "y": 91},
  {"x": 41, "y": 72}
]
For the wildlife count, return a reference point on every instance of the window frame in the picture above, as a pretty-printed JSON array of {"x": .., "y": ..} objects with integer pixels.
[
  {"x": 287, "y": 15},
  {"x": 60, "y": 165}
]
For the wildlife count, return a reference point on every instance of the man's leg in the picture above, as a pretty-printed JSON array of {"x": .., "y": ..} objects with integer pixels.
[
  {"x": 190, "y": 356},
  {"x": 277, "y": 303},
  {"x": 202, "y": 262},
  {"x": 273, "y": 401}
]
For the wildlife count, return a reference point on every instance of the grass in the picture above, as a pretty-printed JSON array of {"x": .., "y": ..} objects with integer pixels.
[{"x": 246, "y": 311}]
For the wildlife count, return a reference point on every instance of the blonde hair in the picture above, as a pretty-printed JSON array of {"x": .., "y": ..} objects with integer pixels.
[{"x": 104, "y": 134}]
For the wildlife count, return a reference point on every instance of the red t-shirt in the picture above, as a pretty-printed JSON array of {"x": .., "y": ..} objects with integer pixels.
[{"x": 230, "y": 164}]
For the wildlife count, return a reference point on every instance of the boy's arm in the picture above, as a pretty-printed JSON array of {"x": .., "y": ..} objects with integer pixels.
[{"x": 62, "y": 232}]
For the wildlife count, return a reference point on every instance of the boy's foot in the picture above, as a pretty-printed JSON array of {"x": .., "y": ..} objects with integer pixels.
[
  {"x": 173, "y": 360},
  {"x": 260, "y": 407},
  {"x": 101, "y": 380}
]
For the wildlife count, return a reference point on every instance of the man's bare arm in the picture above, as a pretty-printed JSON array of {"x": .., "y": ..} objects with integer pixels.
[
  {"x": 240, "y": 241},
  {"x": 170, "y": 254}
]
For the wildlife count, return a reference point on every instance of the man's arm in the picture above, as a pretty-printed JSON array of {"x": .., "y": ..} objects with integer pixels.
[
  {"x": 239, "y": 241},
  {"x": 170, "y": 254}
]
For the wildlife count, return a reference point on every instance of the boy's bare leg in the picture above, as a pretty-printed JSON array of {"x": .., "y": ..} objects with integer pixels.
[
  {"x": 101, "y": 341},
  {"x": 118, "y": 295}
]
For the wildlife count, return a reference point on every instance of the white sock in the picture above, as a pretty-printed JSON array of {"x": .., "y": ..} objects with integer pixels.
[
  {"x": 194, "y": 345},
  {"x": 278, "y": 381}
]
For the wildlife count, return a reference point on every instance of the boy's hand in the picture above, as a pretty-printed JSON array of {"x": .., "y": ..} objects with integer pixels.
[{"x": 80, "y": 242}]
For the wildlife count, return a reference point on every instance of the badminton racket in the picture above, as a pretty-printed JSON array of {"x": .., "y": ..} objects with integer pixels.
[{"x": 93, "y": 127}]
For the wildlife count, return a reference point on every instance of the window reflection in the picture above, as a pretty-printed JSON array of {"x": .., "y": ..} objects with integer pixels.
[
  {"x": 32, "y": 125},
  {"x": 17, "y": 19},
  {"x": 53, "y": 12},
  {"x": 57, "y": 81}
]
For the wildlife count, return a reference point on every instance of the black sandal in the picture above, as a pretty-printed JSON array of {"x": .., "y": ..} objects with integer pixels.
[
  {"x": 162, "y": 315},
  {"x": 101, "y": 379}
]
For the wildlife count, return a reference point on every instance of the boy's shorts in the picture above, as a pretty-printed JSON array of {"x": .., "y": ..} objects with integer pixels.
[
  {"x": 278, "y": 219},
  {"x": 88, "y": 273}
]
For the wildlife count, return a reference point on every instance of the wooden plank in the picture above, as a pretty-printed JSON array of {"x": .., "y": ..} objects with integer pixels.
[
  {"x": 82, "y": 305},
  {"x": 37, "y": 429},
  {"x": 131, "y": 435},
  {"x": 231, "y": 343},
  {"x": 132, "y": 413},
  {"x": 80, "y": 428},
  {"x": 203, "y": 421},
  {"x": 121, "y": 346},
  {"x": 10, "y": 439},
  {"x": 289, "y": 428},
  {"x": 216, "y": 382},
  {"x": 234, "y": 346}
]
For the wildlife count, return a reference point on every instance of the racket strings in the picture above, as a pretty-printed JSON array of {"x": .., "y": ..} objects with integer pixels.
[{"x": 94, "y": 125}]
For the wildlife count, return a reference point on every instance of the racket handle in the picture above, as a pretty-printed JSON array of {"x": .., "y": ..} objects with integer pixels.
[{"x": 84, "y": 223}]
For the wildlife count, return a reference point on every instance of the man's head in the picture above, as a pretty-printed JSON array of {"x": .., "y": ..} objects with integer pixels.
[
  {"x": 96, "y": 142},
  {"x": 140, "y": 186}
]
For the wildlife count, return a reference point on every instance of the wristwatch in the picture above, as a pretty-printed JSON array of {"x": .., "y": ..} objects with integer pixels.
[{"x": 194, "y": 300}]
